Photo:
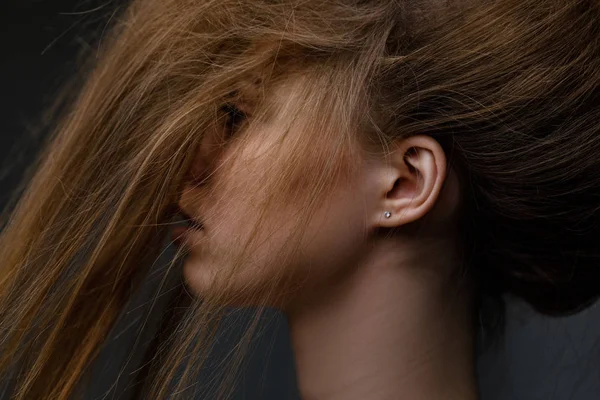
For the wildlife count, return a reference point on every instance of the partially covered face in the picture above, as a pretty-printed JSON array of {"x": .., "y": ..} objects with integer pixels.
[{"x": 281, "y": 209}]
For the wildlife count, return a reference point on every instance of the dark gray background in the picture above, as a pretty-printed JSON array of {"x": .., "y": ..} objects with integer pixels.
[{"x": 538, "y": 358}]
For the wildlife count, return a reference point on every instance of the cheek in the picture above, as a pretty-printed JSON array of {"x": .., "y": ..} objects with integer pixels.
[
  {"x": 239, "y": 225},
  {"x": 248, "y": 192},
  {"x": 236, "y": 201},
  {"x": 337, "y": 234}
]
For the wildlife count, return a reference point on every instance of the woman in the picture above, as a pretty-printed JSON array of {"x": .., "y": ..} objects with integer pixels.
[{"x": 370, "y": 168}]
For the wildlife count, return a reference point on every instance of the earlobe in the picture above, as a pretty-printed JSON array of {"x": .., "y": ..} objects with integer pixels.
[{"x": 414, "y": 178}]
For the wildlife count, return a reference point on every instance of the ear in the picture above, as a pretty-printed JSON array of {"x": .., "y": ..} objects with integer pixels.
[{"x": 410, "y": 181}]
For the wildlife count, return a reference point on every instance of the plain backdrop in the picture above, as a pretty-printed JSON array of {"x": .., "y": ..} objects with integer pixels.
[{"x": 537, "y": 359}]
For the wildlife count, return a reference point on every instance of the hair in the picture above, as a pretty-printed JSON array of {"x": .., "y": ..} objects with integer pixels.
[{"x": 509, "y": 88}]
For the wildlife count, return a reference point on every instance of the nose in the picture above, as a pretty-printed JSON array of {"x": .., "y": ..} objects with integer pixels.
[
  {"x": 199, "y": 170},
  {"x": 206, "y": 155}
]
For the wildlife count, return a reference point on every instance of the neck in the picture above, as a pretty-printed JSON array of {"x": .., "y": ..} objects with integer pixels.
[{"x": 386, "y": 331}]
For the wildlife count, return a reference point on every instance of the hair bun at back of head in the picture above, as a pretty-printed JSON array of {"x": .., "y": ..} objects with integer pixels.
[{"x": 549, "y": 259}]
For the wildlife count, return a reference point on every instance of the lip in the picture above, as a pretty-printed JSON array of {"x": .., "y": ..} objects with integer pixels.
[
  {"x": 183, "y": 235},
  {"x": 193, "y": 222},
  {"x": 188, "y": 229}
]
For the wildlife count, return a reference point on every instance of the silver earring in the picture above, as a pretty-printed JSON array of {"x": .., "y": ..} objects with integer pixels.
[{"x": 387, "y": 214}]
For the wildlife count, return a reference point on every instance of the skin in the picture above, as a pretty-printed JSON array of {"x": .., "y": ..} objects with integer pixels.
[{"x": 371, "y": 315}]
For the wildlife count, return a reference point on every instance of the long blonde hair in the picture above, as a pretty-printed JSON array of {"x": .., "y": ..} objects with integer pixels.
[{"x": 508, "y": 87}]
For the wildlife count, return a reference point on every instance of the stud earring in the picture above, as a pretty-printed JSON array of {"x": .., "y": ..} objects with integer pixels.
[{"x": 387, "y": 214}]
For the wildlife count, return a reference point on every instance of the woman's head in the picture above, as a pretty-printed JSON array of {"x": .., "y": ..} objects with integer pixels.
[
  {"x": 289, "y": 129},
  {"x": 298, "y": 200},
  {"x": 495, "y": 91}
]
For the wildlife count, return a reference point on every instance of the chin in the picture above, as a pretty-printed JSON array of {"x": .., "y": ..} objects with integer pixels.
[
  {"x": 244, "y": 290},
  {"x": 199, "y": 279}
]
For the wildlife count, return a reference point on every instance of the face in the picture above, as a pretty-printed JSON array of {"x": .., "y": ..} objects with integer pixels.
[{"x": 254, "y": 236}]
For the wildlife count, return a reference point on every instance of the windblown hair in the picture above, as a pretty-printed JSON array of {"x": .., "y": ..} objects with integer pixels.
[{"x": 510, "y": 89}]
